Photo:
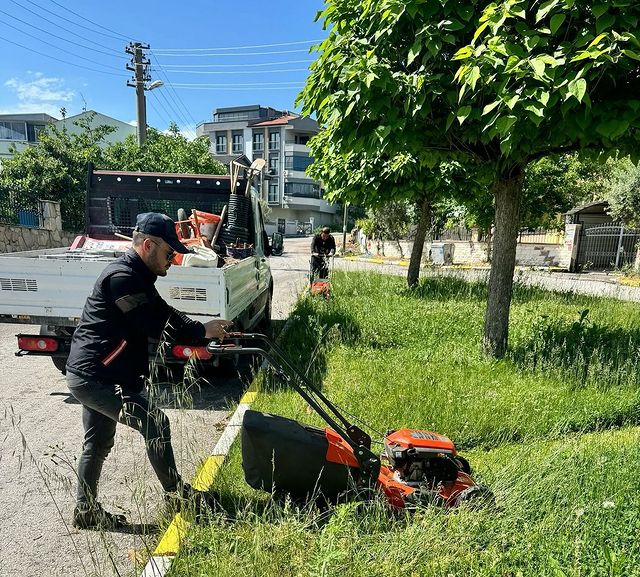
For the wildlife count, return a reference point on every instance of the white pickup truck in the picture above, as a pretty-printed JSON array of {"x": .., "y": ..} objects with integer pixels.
[{"x": 49, "y": 287}]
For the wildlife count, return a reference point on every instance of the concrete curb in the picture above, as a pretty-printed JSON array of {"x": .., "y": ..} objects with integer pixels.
[{"x": 160, "y": 561}]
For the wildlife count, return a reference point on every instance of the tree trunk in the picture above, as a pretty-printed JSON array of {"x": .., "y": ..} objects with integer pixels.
[
  {"x": 507, "y": 191},
  {"x": 418, "y": 242}
]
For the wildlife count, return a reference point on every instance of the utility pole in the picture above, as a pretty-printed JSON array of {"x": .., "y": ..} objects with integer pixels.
[{"x": 140, "y": 67}]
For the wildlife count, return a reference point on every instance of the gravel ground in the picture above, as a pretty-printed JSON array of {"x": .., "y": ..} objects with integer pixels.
[{"x": 40, "y": 438}]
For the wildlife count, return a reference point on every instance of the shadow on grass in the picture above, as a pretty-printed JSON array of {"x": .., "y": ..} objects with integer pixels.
[
  {"x": 315, "y": 325},
  {"x": 584, "y": 352}
]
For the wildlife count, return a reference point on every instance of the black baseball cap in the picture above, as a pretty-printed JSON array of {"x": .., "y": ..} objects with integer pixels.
[{"x": 160, "y": 225}]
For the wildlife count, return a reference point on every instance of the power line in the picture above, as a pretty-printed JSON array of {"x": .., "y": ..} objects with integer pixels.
[
  {"x": 57, "y": 59},
  {"x": 255, "y": 84},
  {"x": 177, "y": 114},
  {"x": 117, "y": 36},
  {"x": 222, "y": 87},
  {"x": 50, "y": 34},
  {"x": 237, "y": 47},
  {"x": 277, "y": 63},
  {"x": 167, "y": 55},
  {"x": 173, "y": 89},
  {"x": 239, "y": 71},
  {"x": 167, "y": 116},
  {"x": 54, "y": 46},
  {"x": 112, "y": 53}
]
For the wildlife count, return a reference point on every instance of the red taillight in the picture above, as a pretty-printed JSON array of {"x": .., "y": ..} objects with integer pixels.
[
  {"x": 38, "y": 344},
  {"x": 186, "y": 352}
]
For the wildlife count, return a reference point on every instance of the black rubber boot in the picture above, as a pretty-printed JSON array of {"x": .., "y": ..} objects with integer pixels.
[
  {"x": 187, "y": 499},
  {"x": 95, "y": 517}
]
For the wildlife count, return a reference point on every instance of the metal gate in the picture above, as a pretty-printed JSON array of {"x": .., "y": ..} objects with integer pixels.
[{"x": 607, "y": 246}]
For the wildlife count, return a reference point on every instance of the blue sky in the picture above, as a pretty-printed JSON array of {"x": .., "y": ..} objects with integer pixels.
[{"x": 70, "y": 53}]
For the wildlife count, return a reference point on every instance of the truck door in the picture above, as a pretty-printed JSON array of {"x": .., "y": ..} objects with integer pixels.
[{"x": 263, "y": 268}]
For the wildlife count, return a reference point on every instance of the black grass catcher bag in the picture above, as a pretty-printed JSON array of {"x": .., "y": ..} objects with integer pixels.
[{"x": 283, "y": 456}]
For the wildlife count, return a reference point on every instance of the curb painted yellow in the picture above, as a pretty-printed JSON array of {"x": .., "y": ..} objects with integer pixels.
[
  {"x": 175, "y": 533},
  {"x": 207, "y": 473}
]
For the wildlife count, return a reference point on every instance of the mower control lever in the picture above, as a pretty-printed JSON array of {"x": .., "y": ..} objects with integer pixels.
[{"x": 359, "y": 441}]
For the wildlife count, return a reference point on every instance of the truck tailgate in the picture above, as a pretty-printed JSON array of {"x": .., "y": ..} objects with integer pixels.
[{"x": 34, "y": 289}]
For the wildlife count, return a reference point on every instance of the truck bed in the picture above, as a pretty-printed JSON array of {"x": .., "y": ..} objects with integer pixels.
[{"x": 51, "y": 286}]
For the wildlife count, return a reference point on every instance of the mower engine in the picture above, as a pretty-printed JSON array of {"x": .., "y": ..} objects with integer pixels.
[{"x": 424, "y": 467}]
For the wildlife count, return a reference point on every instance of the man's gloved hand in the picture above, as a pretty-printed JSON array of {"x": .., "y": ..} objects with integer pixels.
[{"x": 216, "y": 329}]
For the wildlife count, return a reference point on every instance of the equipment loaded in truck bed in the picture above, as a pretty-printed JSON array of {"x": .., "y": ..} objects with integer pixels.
[{"x": 49, "y": 287}]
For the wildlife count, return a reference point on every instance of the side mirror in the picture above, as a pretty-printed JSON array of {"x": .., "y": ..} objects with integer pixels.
[{"x": 266, "y": 244}]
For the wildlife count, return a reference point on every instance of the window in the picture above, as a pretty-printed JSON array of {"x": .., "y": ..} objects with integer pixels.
[
  {"x": 297, "y": 162},
  {"x": 273, "y": 165},
  {"x": 258, "y": 141},
  {"x": 274, "y": 141},
  {"x": 13, "y": 131},
  {"x": 273, "y": 192},
  {"x": 221, "y": 143},
  {"x": 302, "y": 189},
  {"x": 302, "y": 139},
  {"x": 38, "y": 129},
  {"x": 237, "y": 143}
]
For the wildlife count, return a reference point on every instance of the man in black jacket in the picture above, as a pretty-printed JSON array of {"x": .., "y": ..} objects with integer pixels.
[
  {"x": 108, "y": 364},
  {"x": 323, "y": 246}
]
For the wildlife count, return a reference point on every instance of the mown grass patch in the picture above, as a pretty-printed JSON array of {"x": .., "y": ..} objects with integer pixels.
[{"x": 550, "y": 429}]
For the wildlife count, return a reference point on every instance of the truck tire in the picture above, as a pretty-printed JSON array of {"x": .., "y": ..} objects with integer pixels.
[
  {"x": 59, "y": 363},
  {"x": 264, "y": 326}
]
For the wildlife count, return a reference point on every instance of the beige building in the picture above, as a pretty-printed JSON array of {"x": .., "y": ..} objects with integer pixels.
[{"x": 280, "y": 137}]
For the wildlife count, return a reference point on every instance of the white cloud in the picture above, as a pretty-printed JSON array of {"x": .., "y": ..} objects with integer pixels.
[
  {"x": 38, "y": 93},
  {"x": 133, "y": 122}
]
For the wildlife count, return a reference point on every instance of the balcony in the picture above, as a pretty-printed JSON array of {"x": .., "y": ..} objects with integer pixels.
[{"x": 306, "y": 203}]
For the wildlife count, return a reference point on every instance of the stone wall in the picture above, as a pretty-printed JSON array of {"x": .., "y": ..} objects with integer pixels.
[
  {"x": 475, "y": 253},
  {"x": 19, "y": 238}
]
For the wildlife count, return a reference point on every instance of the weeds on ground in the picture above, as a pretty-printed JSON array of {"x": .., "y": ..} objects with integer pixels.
[{"x": 550, "y": 428}]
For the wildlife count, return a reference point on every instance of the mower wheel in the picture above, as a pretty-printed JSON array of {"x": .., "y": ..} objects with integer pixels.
[
  {"x": 464, "y": 465},
  {"x": 476, "y": 497}
]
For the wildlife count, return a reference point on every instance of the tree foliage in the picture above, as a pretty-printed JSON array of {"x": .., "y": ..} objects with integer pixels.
[
  {"x": 498, "y": 85},
  {"x": 162, "y": 152},
  {"x": 56, "y": 169},
  {"x": 624, "y": 195}
]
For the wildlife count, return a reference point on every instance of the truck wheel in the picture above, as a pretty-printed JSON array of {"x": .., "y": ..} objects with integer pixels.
[
  {"x": 264, "y": 326},
  {"x": 59, "y": 363}
]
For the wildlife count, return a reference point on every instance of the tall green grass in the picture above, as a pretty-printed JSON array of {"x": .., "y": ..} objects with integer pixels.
[{"x": 550, "y": 428}]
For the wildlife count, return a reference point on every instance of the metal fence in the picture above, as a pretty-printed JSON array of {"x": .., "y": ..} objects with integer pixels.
[
  {"x": 540, "y": 236},
  {"x": 526, "y": 235},
  {"x": 18, "y": 213},
  {"x": 607, "y": 246}
]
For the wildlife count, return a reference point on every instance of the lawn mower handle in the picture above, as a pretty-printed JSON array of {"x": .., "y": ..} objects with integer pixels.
[{"x": 359, "y": 441}]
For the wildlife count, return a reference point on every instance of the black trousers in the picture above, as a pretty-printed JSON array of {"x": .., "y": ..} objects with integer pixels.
[
  {"x": 103, "y": 407},
  {"x": 320, "y": 266}
]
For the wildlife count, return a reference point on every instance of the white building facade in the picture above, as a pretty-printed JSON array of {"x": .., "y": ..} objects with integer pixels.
[{"x": 280, "y": 137}]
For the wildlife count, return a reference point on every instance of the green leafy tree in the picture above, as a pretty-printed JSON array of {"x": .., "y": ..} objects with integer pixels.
[
  {"x": 162, "y": 152},
  {"x": 56, "y": 169},
  {"x": 624, "y": 195},
  {"x": 390, "y": 221},
  {"x": 499, "y": 85}
]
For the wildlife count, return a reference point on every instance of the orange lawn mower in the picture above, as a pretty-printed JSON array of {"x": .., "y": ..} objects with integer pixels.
[
  {"x": 288, "y": 458},
  {"x": 320, "y": 269}
]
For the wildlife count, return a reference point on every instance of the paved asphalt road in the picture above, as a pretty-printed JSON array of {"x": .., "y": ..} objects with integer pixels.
[{"x": 40, "y": 438}]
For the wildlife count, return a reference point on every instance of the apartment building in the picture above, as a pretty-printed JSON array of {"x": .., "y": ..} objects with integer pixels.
[
  {"x": 21, "y": 130},
  {"x": 280, "y": 137}
]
